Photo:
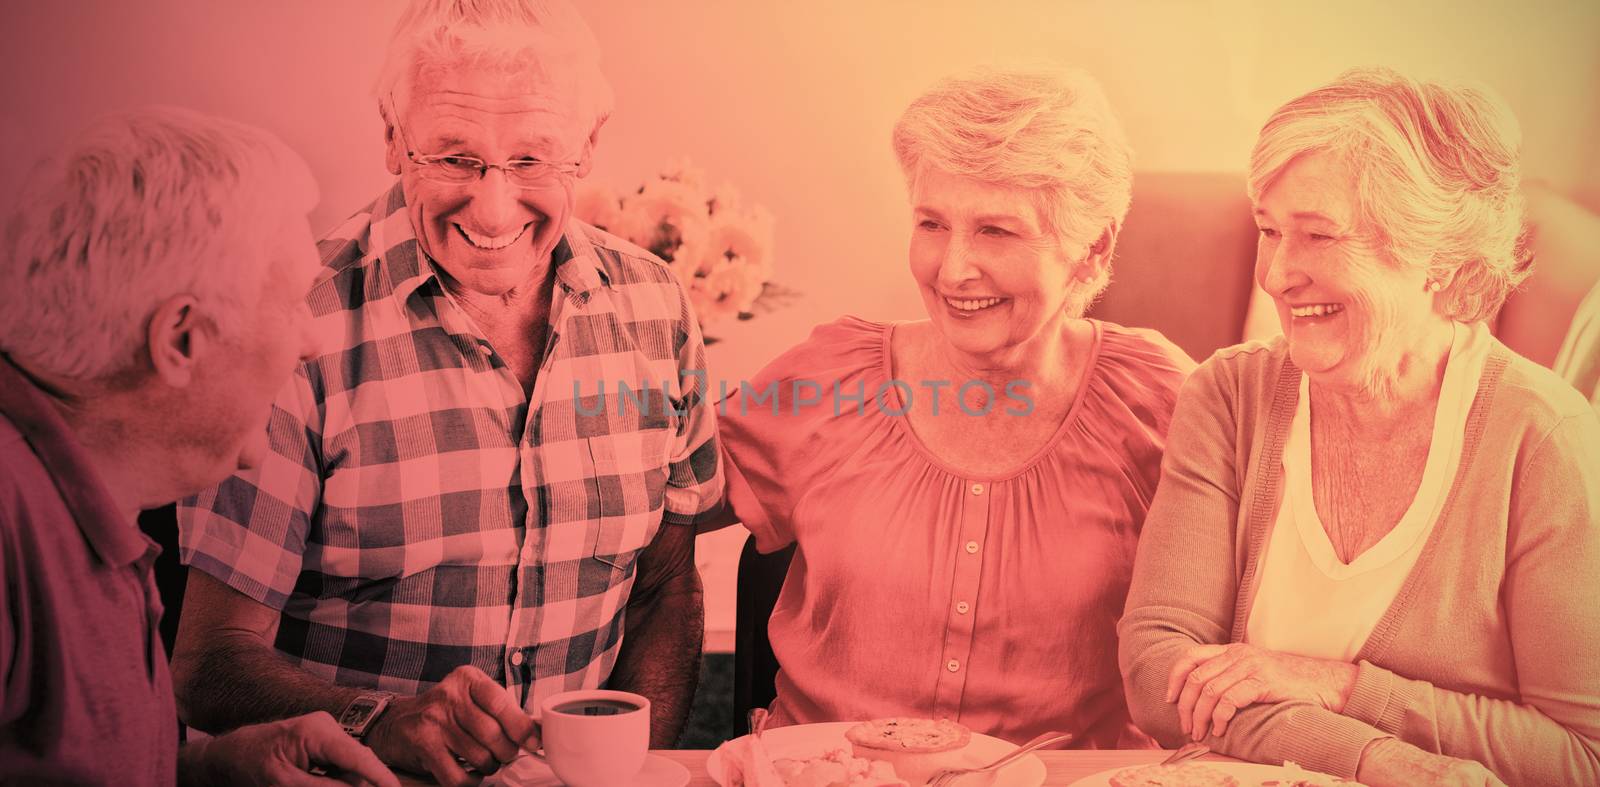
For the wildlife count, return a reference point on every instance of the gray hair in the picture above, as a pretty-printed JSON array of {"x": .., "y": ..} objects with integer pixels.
[
  {"x": 1437, "y": 176},
  {"x": 142, "y": 207},
  {"x": 1048, "y": 129},
  {"x": 547, "y": 38}
]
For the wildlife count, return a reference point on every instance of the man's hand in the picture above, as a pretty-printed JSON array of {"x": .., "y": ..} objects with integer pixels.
[
  {"x": 467, "y": 715},
  {"x": 1390, "y": 763},
  {"x": 1211, "y": 683},
  {"x": 283, "y": 753}
]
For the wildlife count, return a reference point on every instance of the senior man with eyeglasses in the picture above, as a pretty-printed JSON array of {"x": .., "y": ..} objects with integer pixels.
[{"x": 444, "y": 533}]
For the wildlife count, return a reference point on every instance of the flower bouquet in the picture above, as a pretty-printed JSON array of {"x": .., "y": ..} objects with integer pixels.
[{"x": 718, "y": 246}]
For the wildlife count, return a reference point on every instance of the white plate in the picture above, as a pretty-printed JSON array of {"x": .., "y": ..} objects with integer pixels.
[
  {"x": 526, "y": 771},
  {"x": 1249, "y": 774},
  {"x": 815, "y": 740}
]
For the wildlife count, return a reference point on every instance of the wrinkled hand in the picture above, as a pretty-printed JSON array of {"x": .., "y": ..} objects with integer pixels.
[
  {"x": 1391, "y": 763},
  {"x": 1211, "y": 683},
  {"x": 283, "y": 753},
  {"x": 467, "y": 715}
]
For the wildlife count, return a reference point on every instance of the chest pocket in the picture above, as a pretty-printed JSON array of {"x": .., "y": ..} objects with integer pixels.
[{"x": 630, "y": 477}]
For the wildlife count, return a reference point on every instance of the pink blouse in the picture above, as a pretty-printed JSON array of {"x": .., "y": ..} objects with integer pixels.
[{"x": 921, "y": 589}]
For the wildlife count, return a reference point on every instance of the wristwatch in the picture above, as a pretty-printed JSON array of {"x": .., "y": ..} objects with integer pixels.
[{"x": 362, "y": 711}]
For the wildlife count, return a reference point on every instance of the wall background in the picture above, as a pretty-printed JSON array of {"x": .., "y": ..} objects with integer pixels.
[{"x": 793, "y": 102}]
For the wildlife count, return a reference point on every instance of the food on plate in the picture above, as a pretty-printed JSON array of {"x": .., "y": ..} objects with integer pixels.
[
  {"x": 916, "y": 748},
  {"x": 743, "y": 767},
  {"x": 836, "y": 769},
  {"x": 1183, "y": 774},
  {"x": 1296, "y": 776}
]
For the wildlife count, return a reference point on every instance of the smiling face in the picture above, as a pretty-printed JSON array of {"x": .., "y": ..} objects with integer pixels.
[
  {"x": 1351, "y": 314},
  {"x": 490, "y": 235},
  {"x": 991, "y": 273}
]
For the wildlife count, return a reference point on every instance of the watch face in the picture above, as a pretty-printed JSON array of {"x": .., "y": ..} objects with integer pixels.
[{"x": 357, "y": 713}]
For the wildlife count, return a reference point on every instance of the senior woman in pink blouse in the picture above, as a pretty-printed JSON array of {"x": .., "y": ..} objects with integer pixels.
[
  {"x": 965, "y": 535},
  {"x": 1376, "y": 542}
]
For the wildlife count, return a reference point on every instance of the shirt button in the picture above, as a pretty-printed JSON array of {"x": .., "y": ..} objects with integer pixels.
[
  {"x": 963, "y": 607},
  {"x": 952, "y": 665},
  {"x": 977, "y": 489},
  {"x": 972, "y": 547},
  {"x": 516, "y": 658}
]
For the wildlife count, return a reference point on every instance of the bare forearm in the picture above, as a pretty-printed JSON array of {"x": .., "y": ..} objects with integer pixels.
[
  {"x": 660, "y": 654},
  {"x": 239, "y": 680}
]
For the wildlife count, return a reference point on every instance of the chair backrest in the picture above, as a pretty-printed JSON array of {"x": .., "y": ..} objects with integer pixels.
[
  {"x": 1566, "y": 265},
  {"x": 754, "y": 667},
  {"x": 161, "y": 525},
  {"x": 1183, "y": 261}
]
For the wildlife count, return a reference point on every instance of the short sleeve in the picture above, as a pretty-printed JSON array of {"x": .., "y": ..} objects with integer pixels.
[
  {"x": 781, "y": 429},
  {"x": 250, "y": 532},
  {"x": 694, "y": 471},
  {"x": 1146, "y": 371}
]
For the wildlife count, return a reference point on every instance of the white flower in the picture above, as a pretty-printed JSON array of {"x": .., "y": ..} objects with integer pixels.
[
  {"x": 728, "y": 289},
  {"x": 743, "y": 238},
  {"x": 666, "y": 217},
  {"x": 719, "y": 247},
  {"x": 597, "y": 205}
]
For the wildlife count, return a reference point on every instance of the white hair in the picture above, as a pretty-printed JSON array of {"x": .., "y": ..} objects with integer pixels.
[
  {"x": 1044, "y": 128},
  {"x": 546, "y": 39},
  {"x": 1437, "y": 176},
  {"x": 142, "y": 207}
]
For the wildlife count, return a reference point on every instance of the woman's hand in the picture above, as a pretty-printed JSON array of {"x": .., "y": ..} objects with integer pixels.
[
  {"x": 1388, "y": 762},
  {"x": 1211, "y": 683}
]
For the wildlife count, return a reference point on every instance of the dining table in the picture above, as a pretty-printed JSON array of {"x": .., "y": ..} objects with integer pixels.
[{"x": 1061, "y": 768}]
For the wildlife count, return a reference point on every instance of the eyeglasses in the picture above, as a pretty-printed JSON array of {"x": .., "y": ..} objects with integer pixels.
[{"x": 456, "y": 170}]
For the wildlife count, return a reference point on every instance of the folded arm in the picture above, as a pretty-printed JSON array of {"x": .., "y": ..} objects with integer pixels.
[
  {"x": 1550, "y": 734},
  {"x": 1185, "y": 592}
]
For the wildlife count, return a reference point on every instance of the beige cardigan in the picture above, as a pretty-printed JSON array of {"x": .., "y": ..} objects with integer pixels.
[{"x": 1491, "y": 650}]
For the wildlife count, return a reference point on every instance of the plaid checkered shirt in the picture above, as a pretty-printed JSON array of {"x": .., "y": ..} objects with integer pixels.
[{"x": 419, "y": 511}]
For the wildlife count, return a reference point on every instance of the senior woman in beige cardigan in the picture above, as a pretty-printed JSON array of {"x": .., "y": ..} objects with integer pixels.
[{"x": 1376, "y": 540}]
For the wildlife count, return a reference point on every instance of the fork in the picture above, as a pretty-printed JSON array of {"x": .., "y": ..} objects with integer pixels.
[
  {"x": 757, "y": 720},
  {"x": 1186, "y": 752},
  {"x": 947, "y": 777}
]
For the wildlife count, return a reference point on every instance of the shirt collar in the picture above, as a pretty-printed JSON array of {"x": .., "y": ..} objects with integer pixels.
[
  {"x": 115, "y": 540},
  {"x": 392, "y": 246}
]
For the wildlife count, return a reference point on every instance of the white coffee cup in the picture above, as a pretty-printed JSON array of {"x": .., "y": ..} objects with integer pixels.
[{"x": 594, "y": 738}]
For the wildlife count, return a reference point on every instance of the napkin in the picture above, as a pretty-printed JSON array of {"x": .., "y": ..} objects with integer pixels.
[{"x": 745, "y": 764}]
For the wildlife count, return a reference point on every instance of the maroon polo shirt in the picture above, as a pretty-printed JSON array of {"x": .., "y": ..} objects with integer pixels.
[{"x": 87, "y": 696}]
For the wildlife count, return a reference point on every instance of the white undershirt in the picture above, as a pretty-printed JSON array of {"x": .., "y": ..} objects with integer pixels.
[{"x": 1309, "y": 603}]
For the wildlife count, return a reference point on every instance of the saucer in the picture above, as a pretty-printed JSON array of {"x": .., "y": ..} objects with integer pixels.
[{"x": 658, "y": 771}]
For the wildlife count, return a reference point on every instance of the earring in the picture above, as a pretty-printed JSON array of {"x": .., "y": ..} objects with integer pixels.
[{"x": 1435, "y": 285}]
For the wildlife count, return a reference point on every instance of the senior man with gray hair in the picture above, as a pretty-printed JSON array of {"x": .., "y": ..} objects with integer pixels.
[
  {"x": 156, "y": 275},
  {"x": 444, "y": 534}
]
